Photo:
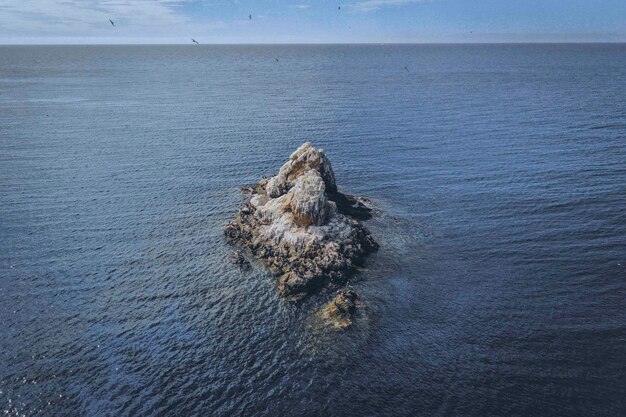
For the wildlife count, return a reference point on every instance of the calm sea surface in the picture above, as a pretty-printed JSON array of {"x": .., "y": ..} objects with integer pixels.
[{"x": 499, "y": 171}]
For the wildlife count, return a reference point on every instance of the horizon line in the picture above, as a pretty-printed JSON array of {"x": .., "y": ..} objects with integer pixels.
[{"x": 607, "y": 42}]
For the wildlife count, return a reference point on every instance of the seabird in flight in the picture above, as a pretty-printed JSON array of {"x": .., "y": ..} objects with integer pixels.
[
  {"x": 250, "y": 16},
  {"x": 112, "y": 22},
  {"x": 195, "y": 41}
]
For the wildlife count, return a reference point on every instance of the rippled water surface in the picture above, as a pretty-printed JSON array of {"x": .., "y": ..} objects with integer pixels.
[{"x": 499, "y": 173}]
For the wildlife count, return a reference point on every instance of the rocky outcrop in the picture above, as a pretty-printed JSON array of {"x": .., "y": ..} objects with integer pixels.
[
  {"x": 302, "y": 227},
  {"x": 340, "y": 310}
]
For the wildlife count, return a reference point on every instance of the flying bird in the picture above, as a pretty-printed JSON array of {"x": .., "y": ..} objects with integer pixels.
[
  {"x": 195, "y": 41},
  {"x": 112, "y": 23},
  {"x": 276, "y": 59},
  {"x": 250, "y": 16},
  {"x": 407, "y": 70},
  {"x": 339, "y": 8}
]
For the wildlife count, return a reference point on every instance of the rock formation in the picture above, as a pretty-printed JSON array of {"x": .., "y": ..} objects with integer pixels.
[
  {"x": 301, "y": 227},
  {"x": 339, "y": 311}
]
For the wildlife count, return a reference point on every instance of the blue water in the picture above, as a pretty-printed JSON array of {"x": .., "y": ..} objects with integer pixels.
[{"x": 499, "y": 172}]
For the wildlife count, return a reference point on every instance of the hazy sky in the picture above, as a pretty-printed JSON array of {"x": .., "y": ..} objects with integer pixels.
[{"x": 284, "y": 21}]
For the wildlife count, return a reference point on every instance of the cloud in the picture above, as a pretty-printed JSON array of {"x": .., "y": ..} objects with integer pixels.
[
  {"x": 370, "y": 5},
  {"x": 88, "y": 17}
]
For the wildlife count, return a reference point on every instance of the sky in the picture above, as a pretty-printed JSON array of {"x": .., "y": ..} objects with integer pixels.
[{"x": 308, "y": 21}]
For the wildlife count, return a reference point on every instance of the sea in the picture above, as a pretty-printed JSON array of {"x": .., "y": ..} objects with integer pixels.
[{"x": 498, "y": 174}]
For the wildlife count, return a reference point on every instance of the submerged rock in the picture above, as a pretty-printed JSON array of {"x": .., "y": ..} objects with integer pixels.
[
  {"x": 238, "y": 258},
  {"x": 340, "y": 310},
  {"x": 301, "y": 226}
]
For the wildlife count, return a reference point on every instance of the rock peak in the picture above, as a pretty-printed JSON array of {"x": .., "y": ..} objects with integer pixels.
[{"x": 305, "y": 158}]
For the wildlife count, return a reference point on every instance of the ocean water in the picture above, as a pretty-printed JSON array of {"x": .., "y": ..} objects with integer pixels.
[{"x": 499, "y": 176}]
